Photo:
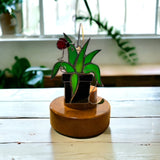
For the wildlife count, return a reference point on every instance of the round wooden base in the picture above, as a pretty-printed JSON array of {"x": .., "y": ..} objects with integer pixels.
[{"x": 79, "y": 123}]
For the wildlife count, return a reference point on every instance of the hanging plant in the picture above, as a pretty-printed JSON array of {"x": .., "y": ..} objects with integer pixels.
[{"x": 127, "y": 52}]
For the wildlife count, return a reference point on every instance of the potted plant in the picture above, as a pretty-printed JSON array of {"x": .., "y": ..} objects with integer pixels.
[
  {"x": 10, "y": 16},
  {"x": 77, "y": 77},
  {"x": 77, "y": 113},
  {"x": 23, "y": 75}
]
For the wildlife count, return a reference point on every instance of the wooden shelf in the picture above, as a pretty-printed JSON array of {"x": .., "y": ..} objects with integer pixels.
[
  {"x": 120, "y": 75},
  {"x": 128, "y": 70}
]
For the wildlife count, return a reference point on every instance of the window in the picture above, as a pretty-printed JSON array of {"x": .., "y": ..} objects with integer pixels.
[{"x": 50, "y": 17}]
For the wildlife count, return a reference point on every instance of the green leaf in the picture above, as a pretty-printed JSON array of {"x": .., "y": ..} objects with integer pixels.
[
  {"x": 32, "y": 79},
  {"x": 45, "y": 70},
  {"x": 81, "y": 18},
  {"x": 130, "y": 58},
  {"x": 20, "y": 66},
  {"x": 110, "y": 30},
  {"x": 128, "y": 49},
  {"x": 116, "y": 34},
  {"x": 101, "y": 101},
  {"x": 74, "y": 83},
  {"x": 80, "y": 58},
  {"x": 123, "y": 43},
  {"x": 2, "y": 79},
  {"x": 93, "y": 68},
  {"x": 1, "y": 73},
  {"x": 118, "y": 39},
  {"x": 72, "y": 52},
  {"x": 67, "y": 38},
  {"x": 104, "y": 25},
  {"x": 125, "y": 57},
  {"x": 132, "y": 54},
  {"x": 135, "y": 59},
  {"x": 120, "y": 53},
  {"x": 90, "y": 56},
  {"x": 66, "y": 66}
]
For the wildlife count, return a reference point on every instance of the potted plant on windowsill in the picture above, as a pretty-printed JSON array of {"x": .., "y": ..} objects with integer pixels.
[
  {"x": 77, "y": 113},
  {"x": 10, "y": 16}
]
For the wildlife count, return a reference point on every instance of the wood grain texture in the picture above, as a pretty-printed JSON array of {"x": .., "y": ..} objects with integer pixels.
[
  {"x": 80, "y": 150},
  {"x": 125, "y": 108},
  {"x": 109, "y": 93},
  {"x": 126, "y": 130},
  {"x": 89, "y": 121},
  {"x": 133, "y": 134}
]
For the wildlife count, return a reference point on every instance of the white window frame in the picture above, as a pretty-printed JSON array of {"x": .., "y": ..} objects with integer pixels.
[
  {"x": 123, "y": 35},
  {"x": 103, "y": 36}
]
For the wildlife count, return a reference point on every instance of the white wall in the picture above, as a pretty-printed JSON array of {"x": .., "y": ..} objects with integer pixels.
[{"x": 44, "y": 51}]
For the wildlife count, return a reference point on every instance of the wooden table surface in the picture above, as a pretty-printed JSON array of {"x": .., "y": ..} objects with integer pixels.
[{"x": 134, "y": 131}]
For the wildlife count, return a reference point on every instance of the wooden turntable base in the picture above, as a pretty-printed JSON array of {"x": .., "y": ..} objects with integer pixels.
[{"x": 80, "y": 123}]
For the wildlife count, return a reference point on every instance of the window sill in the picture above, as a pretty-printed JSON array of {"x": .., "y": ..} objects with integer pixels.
[{"x": 10, "y": 38}]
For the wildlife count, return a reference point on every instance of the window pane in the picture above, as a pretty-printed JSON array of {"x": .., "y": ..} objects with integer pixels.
[
  {"x": 58, "y": 16},
  {"x": 113, "y": 12},
  {"x": 31, "y": 17},
  {"x": 140, "y": 17},
  {"x": 82, "y": 11},
  {"x": 128, "y": 16}
]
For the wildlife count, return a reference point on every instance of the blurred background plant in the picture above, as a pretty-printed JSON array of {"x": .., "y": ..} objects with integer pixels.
[
  {"x": 9, "y": 6},
  {"x": 22, "y": 75},
  {"x": 11, "y": 16},
  {"x": 127, "y": 51}
]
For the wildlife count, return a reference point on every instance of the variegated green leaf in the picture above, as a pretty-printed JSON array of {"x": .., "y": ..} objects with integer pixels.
[
  {"x": 90, "y": 56},
  {"x": 74, "y": 83},
  {"x": 93, "y": 68},
  {"x": 66, "y": 66},
  {"x": 72, "y": 52},
  {"x": 80, "y": 58},
  {"x": 67, "y": 38}
]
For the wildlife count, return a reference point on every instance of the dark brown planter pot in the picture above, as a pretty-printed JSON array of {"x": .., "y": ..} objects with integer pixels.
[{"x": 83, "y": 88}]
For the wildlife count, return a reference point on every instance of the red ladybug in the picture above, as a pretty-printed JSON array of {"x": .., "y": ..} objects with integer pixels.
[{"x": 62, "y": 43}]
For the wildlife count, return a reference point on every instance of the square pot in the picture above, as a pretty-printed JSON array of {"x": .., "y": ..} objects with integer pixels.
[{"x": 82, "y": 93}]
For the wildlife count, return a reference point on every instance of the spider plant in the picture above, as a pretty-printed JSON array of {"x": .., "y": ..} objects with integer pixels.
[{"x": 78, "y": 63}]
